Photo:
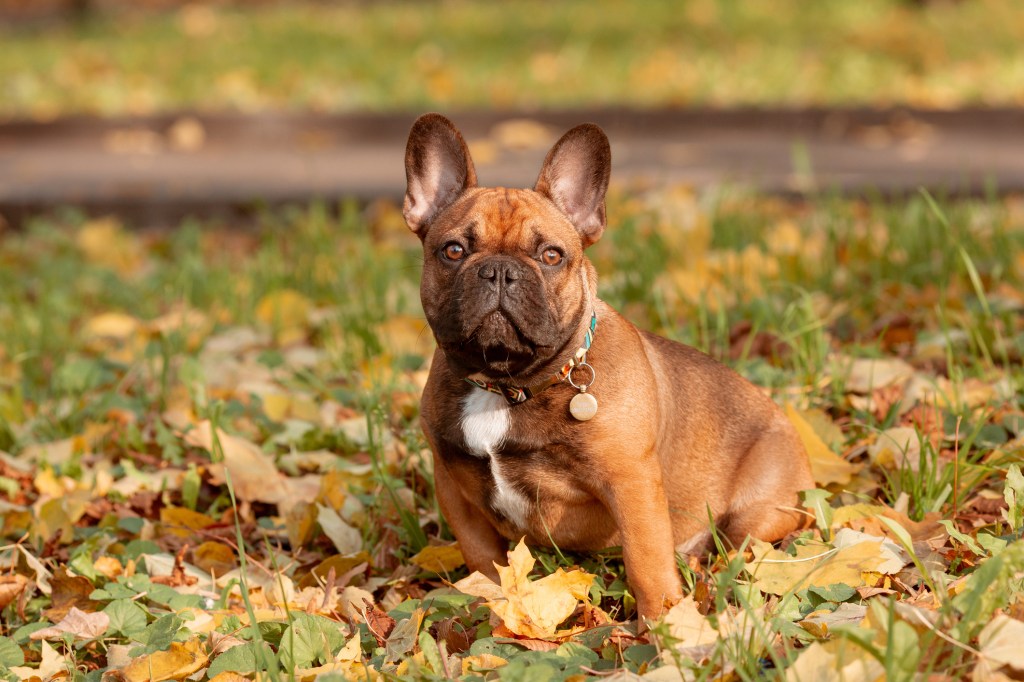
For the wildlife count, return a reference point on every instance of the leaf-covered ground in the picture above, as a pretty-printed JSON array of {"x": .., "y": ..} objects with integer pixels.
[
  {"x": 409, "y": 54},
  {"x": 212, "y": 469}
]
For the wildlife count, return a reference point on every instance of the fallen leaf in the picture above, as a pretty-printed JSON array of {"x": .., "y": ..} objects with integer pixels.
[
  {"x": 351, "y": 602},
  {"x": 530, "y": 608},
  {"x": 835, "y": 660},
  {"x": 42, "y": 574},
  {"x": 228, "y": 676},
  {"x": 172, "y": 570},
  {"x": 346, "y": 539},
  {"x": 69, "y": 591},
  {"x": 11, "y": 586},
  {"x": 82, "y": 625},
  {"x": 108, "y": 566},
  {"x": 820, "y": 623},
  {"x": 252, "y": 471},
  {"x": 105, "y": 242},
  {"x": 816, "y": 564},
  {"x": 51, "y": 665},
  {"x": 403, "y": 636},
  {"x": 893, "y": 557},
  {"x": 864, "y": 375},
  {"x": 440, "y": 559},
  {"x": 826, "y": 466},
  {"x": 896, "y": 448},
  {"x": 1000, "y": 643},
  {"x": 178, "y": 662},
  {"x": 181, "y": 521},
  {"x": 286, "y": 312},
  {"x": 381, "y": 625},
  {"x": 688, "y": 626},
  {"x": 481, "y": 663},
  {"x": 215, "y": 558},
  {"x": 855, "y": 515},
  {"x": 479, "y": 585}
]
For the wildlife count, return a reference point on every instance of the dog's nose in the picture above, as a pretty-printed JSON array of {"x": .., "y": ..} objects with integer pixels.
[{"x": 499, "y": 271}]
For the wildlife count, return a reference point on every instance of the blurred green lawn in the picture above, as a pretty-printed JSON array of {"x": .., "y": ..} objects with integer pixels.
[{"x": 464, "y": 54}]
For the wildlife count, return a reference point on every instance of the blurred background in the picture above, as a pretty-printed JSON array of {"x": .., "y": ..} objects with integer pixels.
[
  {"x": 116, "y": 58},
  {"x": 158, "y": 109}
]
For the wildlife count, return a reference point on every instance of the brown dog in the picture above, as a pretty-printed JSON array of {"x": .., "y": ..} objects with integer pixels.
[{"x": 509, "y": 407}]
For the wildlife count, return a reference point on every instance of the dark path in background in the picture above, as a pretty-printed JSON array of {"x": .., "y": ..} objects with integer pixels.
[{"x": 154, "y": 171}]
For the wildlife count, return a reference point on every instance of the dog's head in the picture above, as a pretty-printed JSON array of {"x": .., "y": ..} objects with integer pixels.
[{"x": 505, "y": 283}]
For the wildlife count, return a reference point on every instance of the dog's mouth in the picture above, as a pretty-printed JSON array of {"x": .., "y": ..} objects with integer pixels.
[{"x": 496, "y": 347}]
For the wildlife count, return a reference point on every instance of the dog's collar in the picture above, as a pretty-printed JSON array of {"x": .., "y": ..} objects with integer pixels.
[{"x": 520, "y": 394}]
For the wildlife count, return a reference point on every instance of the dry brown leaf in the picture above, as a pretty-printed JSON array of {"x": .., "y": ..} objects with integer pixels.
[
  {"x": 835, "y": 660},
  {"x": 345, "y": 538},
  {"x": 178, "y": 662},
  {"x": 252, "y": 471},
  {"x": 78, "y": 623},
  {"x": 69, "y": 591},
  {"x": 854, "y": 515},
  {"x": 818, "y": 623},
  {"x": 11, "y": 586},
  {"x": 181, "y": 521},
  {"x": 215, "y": 558},
  {"x": 1000, "y": 644},
  {"x": 864, "y": 375},
  {"x": 687, "y": 625},
  {"x": 440, "y": 559},
  {"x": 897, "y": 447},
  {"x": 381, "y": 625}
]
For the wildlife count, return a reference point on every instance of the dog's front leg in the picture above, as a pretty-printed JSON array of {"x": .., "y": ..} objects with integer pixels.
[
  {"x": 480, "y": 542},
  {"x": 639, "y": 506}
]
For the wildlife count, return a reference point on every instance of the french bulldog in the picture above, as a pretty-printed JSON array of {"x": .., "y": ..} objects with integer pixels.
[{"x": 551, "y": 416}]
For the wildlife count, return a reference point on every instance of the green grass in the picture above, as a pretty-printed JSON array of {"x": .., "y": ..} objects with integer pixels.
[
  {"x": 329, "y": 300},
  {"x": 426, "y": 55}
]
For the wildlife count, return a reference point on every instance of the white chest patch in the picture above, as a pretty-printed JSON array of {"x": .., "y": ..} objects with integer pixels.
[{"x": 485, "y": 424}]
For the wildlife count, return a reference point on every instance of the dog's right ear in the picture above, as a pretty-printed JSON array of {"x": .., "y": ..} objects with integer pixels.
[{"x": 438, "y": 169}]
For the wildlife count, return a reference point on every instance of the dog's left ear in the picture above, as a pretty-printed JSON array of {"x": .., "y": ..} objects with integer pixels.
[{"x": 575, "y": 177}]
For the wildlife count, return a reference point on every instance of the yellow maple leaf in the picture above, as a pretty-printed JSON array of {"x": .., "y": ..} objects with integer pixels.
[
  {"x": 826, "y": 466},
  {"x": 529, "y": 608}
]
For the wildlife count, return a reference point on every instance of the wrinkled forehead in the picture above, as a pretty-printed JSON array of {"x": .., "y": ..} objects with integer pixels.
[{"x": 500, "y": 216}]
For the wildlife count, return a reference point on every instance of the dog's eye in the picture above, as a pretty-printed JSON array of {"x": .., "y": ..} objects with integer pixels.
[
  {"x": 453, "y": 251},
  {"x": 551, "y": 257}
]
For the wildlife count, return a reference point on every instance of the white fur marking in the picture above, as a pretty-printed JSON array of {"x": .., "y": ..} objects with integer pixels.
[
  {"x": 485, "y": 423},
  {"x": 509, "y": 501}
]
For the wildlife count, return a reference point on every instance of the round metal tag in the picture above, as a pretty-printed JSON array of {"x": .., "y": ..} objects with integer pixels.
[{"x": 583, "y": 406}]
